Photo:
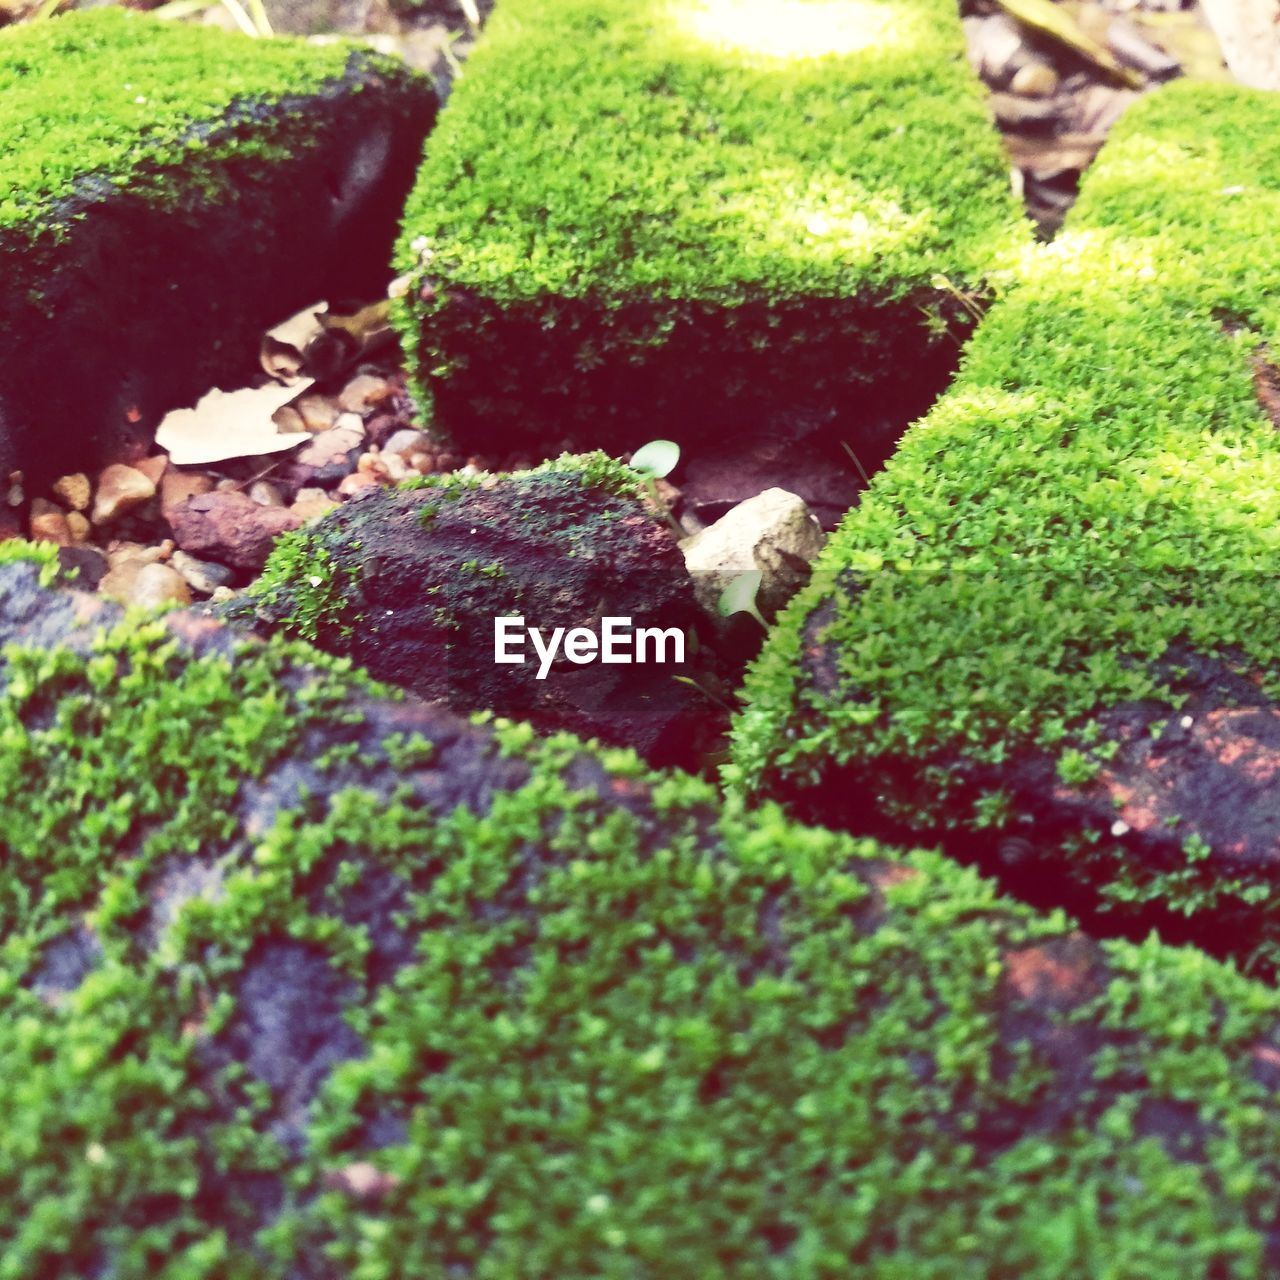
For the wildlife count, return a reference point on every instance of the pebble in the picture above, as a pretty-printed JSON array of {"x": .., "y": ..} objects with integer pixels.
[
  {"x": 204, "y": 576},
  {"x": 179, "y": 485},
  {"x": 364, "y": 392},
  {"x": 265, "y": 494},
  {"x": 78, "y": 524},
  {"x": 48, "y": 523},
  {"x": 406, "y": 442},
  {"x": 332, "y": 446},
  {"x": 312, "y": 503},
  {"x": 1035, "y": 80},
  {"x": 120, "y": 489},
  {"x": 74, "y": 491},
  {"x": 355, "y": 482},
  {"x": 318, "y": 413},
  {"x": 157, "y": 584},
  {"x": 230, "y": 527},
  {"x": 153, "y": 468}
]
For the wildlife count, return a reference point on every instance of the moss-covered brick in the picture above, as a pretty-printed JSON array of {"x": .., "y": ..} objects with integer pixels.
[
  {"x": 642, "y": 211},
  {"x": 408, "y": 583},
  {"x": 169, "y": 192},
  {"x": 1048, "y": 635},
  {"x": 301, "y": 980}
]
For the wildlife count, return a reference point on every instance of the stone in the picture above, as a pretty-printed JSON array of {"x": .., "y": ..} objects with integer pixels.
[
  {"x": 47, "y": 522},
  {"x": 73, "y": 491},
  {"x": 178, "y": 485},
  {"x": 318, "y": 413},
  {"x": 759, "y": 958},
  {"x": 356, "y": 482},
  {"x": 120, "y": 490},
  {"x": 407, "y": 441},
  {"x": 204, "y": 576},
  {"x": 265, "y": 494},
  {"x": 1035, "y": 80},
  {"x": 153, "y": 468},
  {"x": 230, "y": 527},
  {"x": 364, "y": 393},
  {"x": 79, "y": 527},
  {"x": 419, "y": 576},
  {"x": 158, "y": 584},
  {"x": 323, "y": 216},
  {"x": 774, "y": 532},
  {"x": 311, "y": 503}
]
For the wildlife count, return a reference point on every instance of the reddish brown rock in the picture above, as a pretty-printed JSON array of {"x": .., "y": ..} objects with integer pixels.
[{"x": 230, "y": 527}]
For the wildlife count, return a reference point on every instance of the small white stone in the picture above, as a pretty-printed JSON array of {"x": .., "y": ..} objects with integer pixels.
[
  {"x": 1119, "y": 827},
  {"x": 1187, "y": 721},
  {"x": 315, "y": 579}
]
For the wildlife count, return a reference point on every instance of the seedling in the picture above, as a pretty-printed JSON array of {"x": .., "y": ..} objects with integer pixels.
[
  {"x": 653, "y": 462},
  {"x": 740, "y": 596}
]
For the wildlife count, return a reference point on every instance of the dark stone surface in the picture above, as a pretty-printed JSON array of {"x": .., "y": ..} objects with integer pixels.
[
  {"x": 425, "y": 575},
  {"x": 1204, "y": 774},
  {"x": 114, "y": 341}
]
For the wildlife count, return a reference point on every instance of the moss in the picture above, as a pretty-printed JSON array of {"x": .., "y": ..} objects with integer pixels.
[
  {"x": 111, "y": 96},
  {"x": 651, "y": 217},
  {"x": 311, "y": 583},
  {"x": 1097, "y": 494},
  {"x": 585, "y": 1023}
]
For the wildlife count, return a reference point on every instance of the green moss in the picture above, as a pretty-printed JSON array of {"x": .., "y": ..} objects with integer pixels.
[
  {"x": 113, "y": 97},
  {"x": 1099, "y": 486},
  {"x": 311, "y": 584},
  {"x": 678, "y": 176},
  {"x": 633, "y": 1035}
]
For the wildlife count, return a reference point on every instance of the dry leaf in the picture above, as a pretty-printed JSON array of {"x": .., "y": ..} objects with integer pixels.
[
  {"x": 281, "y": 352},
  {"x": 230, "y": 424},
  {"x": 1052, "y": 20}
]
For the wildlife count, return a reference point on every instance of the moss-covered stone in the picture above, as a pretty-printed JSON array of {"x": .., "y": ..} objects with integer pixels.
[
  {"x": 1049, "y": 629},
  {"x": 642, "y": 211},
  {"x": 150, "y": 163},
  {"x": 299, "y": 980},
  {"x": 409, "y": 584}
]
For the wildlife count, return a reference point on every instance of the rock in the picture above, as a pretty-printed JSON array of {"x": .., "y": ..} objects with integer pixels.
[
  {"x": 120, "y": 490},
  {"x": 73, "y": 491},
  {"x": 415, "y": 579},
  {"x": 178, "y": 485},
  {"x": 288, "y": 421},
  {"x": 357, "y": 482},
  {"x": 996, "y": 49},
  {"x": 774, "y": 532},
  {"x": 364, "y": 393},
  {"x": 644, "y": 936},
  {"x": 204, "y": 576},
  {"x": 331, "y": 455},
  {"x": 1035, "y": 80},
  {"x": 79, "y": 526},
  {"x": 265, "y": 494},
  {"x": 323, "y": 215},
  {"x": 157, "y": 584},
  {"x": 85, "y": 566},
  {"x": 318, "y": 413},
  {"x": 311, "y": 503},
  {"x": 406, "y": 441},
  {"x": 47, "y": 522},
  {"x": 153, "y": 468},
  {"x": 230, "y": 527}
]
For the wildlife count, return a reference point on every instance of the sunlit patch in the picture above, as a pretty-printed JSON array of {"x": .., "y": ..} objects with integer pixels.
[{"x": 791, "y": 28}]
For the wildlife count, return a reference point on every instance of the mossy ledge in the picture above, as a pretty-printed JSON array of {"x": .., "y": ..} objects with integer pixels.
[
  {"x": 301, "y": 980},
  {"x": 634, "y": 212},
  {"x": 1047, "y": 637},
  {"x": 147, "y": 163}
]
